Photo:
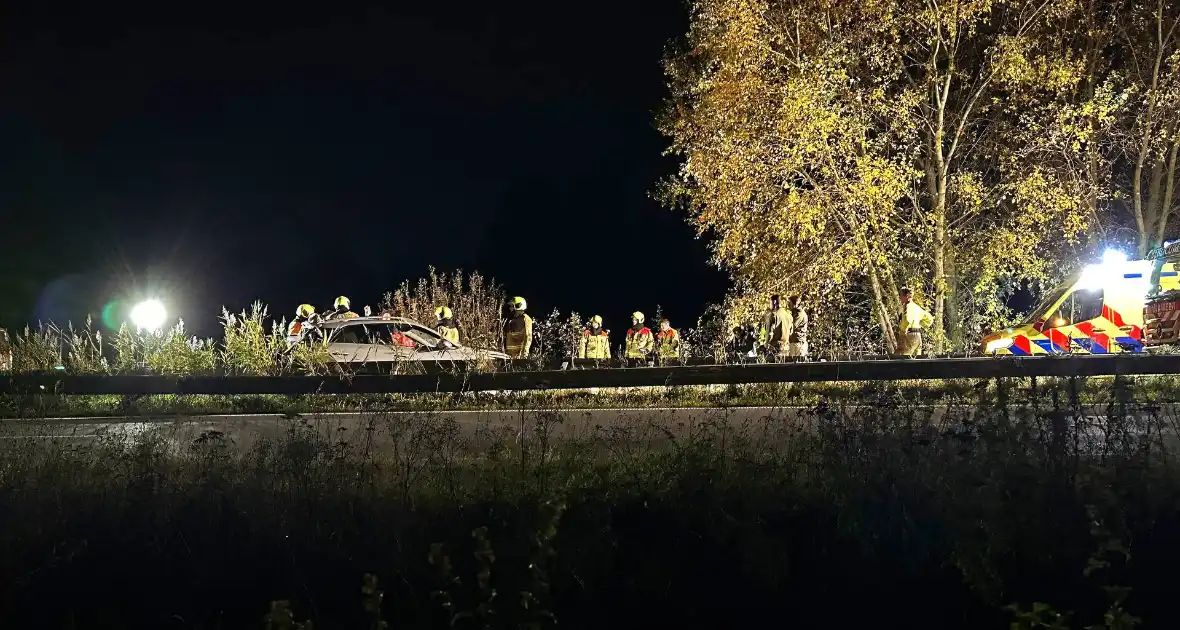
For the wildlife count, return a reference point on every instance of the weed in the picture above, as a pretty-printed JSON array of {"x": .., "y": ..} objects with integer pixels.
[{"x": 656, "y": 518}]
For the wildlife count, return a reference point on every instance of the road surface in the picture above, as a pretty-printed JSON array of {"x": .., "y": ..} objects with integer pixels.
[{"x": 384, "y": 429}]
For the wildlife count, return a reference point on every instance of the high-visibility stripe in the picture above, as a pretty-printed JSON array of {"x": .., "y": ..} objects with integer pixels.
[
  {"x": 1044, "y": 344},
  {"x": 1112, "y": 315},
  {"x": 1058, "y": 339},
  {"x": 1163, "y": 274},
  {"x": 1021, "y": 346},
  {"x": 1130, "y": 342}
]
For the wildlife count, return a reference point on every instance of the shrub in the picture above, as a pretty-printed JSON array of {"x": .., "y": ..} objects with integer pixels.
[
  {"x": 247, "y": 348},
  {"x": 477, "y": 303},
  {"x": 174, "y": 352}
]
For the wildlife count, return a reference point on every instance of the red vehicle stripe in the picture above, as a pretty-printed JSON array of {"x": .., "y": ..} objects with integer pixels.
[
  {"x": 1022, "y": 343},
  {"x": 1112, "y": 315},
  {"x": 1058, "y": 339}
]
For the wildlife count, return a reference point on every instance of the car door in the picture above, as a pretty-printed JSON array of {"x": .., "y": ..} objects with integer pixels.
[
  {"x": 382, "y": 347},
  {"x": 345, "y": 343}
]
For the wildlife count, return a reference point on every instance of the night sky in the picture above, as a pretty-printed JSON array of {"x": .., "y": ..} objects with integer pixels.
[{"x": 220, "y": 154}]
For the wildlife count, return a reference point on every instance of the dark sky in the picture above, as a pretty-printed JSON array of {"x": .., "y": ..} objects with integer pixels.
[{"x": 219, "y": 154}]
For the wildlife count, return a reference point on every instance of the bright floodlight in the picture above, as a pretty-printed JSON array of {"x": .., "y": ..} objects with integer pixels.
[
  {"x": 1113, "y": 256},
  {"x": 149, "y": 315}
]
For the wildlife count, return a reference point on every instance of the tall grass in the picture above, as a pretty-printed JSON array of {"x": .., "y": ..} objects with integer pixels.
[
  {"x": 476, "y": 302},
  {"x": 252, "y": 345},
  {"x": 644, "y": 519}
]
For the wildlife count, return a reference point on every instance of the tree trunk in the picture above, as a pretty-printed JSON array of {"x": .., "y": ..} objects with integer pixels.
[
  {"x": 1169, "y": 190},
  {"x": 880, "y": 305},
  {"x": 940, "y": 270},
  {"x": 954, "y": 321}
]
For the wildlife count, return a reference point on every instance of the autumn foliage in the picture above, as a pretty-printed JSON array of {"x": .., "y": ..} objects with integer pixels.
[{"x": 840, "y": 150}]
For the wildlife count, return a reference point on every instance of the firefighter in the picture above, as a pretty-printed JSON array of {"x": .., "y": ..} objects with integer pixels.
[
  {"x": 295, "y": 329},
  {"x": 667, "y": 342},
  {"x": 595, "y": 342},
  {"x": 639, "y": 339},
  {"x": 518, "y": 331},
  {"x": 342, "y": 309},
  {"x": 797, "y": 347},
  {"x": 446, "y": 324},
  {"x": 909, "y": 326},
  {"x": 775, "y": 333},
  {"x": 5, "y": 352}
]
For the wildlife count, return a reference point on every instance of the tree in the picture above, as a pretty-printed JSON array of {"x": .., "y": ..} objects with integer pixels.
[
  {"x": 1150, "y": 40},
  {"x": 830, "y": 146}
]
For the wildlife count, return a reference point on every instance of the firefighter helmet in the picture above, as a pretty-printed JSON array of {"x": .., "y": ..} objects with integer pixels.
[
  {"x": 443, "y": 312},
  {"x": 342, "y": 302},
  {"x": 305, "y": 310},
  {"x": 596, "y": 321},
  {"x": 518, "y": 304},
  {"x": 637, "y": 316}
]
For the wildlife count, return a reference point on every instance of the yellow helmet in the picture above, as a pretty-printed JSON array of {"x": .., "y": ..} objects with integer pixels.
[
  {"x": 518, "y": 304},
  {"x": 305, "y": 310},
  {"x": 596, "y": 321},
  {"x": 637, "y": 316},
  {"x": 443, "y": 312},
  {"x": 342, "y": 302}
]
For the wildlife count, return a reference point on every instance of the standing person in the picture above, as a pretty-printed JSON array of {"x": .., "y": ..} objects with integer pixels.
[
  {"x": 446, "y": 324},
  {"x": 518, "y": 331},
  {"x": 5, "y": 352},
  {"x": 909, "y": 326},
  {"x": 797, "y": 348},
  {"x": 342, "y": 309},
  {"x": 639, "y": 339},
  {"x": 667, "y": 342},
  {"x": 295, "y": 328},
  {"x": 595, "y": 342},
  {"x": 775, "y": 334}
]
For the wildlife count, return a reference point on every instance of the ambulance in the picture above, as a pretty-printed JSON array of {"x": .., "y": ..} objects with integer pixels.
[{"x": 1099, "y": 310}]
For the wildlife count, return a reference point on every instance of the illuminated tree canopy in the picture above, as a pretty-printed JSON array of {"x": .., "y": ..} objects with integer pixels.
[{"x": 833, "y": 147}]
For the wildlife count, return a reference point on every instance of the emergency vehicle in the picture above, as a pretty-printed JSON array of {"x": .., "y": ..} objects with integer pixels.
[
  {"x": 1099, "y": 310},
  {"x": 1161, "y": 313}
]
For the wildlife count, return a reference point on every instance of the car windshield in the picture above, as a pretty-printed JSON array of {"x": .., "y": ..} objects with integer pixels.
[
  {"x": 1040, "y": 311},
  {"x": 421, "y": 335},
  {"x": 383, "y": 333}
]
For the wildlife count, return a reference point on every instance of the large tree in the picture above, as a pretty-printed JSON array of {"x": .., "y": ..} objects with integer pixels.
[
  {"x": 1148, "y": 35},
  {"x": 831, "y": 146}
]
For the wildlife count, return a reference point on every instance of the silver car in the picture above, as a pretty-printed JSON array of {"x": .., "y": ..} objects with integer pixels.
[{"x": 388, "y": 341}]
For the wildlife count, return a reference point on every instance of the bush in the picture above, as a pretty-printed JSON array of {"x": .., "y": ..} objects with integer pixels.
[
  {"x": 477, "y": 303},
  {"x": 248, "y": 349}
]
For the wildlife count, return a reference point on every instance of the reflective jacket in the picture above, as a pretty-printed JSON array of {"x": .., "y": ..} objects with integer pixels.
[
  {"x": 594, "y": 346},
  {"x": 668, "y": 344},
  {"x": 450, "y": 334},
  {"x": 448, "y": 330},
  {"x": 294, "y": 331},
  {"x": 798, "y": 325},
  {"x": 776, "y": 329},
  {"x": 913, "y": 317},
  {"x": 518, "y": 336},
  {"x": 639, "y": 343}
]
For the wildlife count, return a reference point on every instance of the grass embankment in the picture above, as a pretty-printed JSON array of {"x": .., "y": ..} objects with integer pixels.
[
  {"x": 1092, "y": 391},
  {"x": 865, "y": 519}
]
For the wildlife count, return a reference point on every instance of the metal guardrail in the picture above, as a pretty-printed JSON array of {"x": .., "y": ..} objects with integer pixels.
[{"x": 894, "y": 370}]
